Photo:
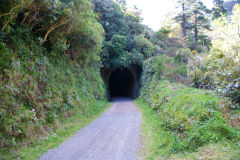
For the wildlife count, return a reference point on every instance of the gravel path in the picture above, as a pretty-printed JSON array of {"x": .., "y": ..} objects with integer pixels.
[{"x": 115, "y": 135}]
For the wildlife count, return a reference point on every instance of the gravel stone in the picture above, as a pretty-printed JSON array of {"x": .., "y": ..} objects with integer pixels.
[{"x": 115, "y": 135}]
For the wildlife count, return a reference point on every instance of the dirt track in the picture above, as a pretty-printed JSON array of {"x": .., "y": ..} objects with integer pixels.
[{"x": 115, "y": 135}]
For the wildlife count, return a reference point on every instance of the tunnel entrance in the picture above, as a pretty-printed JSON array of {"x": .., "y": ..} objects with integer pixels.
[{"x": 121, "y": 83}]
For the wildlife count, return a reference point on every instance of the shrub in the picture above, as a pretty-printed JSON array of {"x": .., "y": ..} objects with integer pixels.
[
  {"x": 32, "y": 98},
  {"x": 49, "y": 65},
  {"x": 163, "y": 67},
  {"x": 183, "y": 55},
  {"x": 187, "y": 118},
  {"x": 221, "y": 68}
]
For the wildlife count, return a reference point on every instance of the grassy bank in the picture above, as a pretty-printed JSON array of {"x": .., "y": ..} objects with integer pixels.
[
  {"x": 65, "y": 129},
  {"x": 33, "y": 104},
  {"x": 49, "y": 70},
  {"x": 40, "y": 90},
  {"x": 185, "y": 123}
]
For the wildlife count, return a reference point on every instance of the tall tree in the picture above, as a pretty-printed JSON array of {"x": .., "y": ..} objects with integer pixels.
[
  {"x": 121, "y": 27},
  {"x": 122, "y": 2},
  {"x": 111, "y": 16},
  {"x": 184, "y": 18},
  {"x": 193, "y": 18},
  {"x": 218, "y": 9},
  {"x": 184, "y": 14},
  {"x": 200, "y": 20}
]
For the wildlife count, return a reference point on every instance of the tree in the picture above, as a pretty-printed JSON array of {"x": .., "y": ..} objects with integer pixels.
[
  {"x": 121, "y": 26},
  {"x": 193, "y": 18},
  {"x": 113, "y": 50},
  {"x": 111, "y": 17},
  {"x": 184, "y": 15},
  {"x": 199, "y": 20},
  {"x": 218, "y": 9},
  {"x": 144, "y": 46},
  {"x": 62, "y": 26},
  {"x": 123, "y": 4},
  {"x": 220, "y": 68}
]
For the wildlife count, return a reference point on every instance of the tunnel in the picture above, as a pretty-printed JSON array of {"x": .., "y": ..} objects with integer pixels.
[{"x": 121, "y": 83}]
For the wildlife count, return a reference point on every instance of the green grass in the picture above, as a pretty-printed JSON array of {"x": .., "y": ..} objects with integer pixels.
[
  {"x": 180, "y": 121},
  {"x": 153, "y": 136},
  {"x": 67, "y": 128},
  {"x": 225, "y": 150},
  {"x": 150, "y": 136},
  {"x": 34, "y": 102}
]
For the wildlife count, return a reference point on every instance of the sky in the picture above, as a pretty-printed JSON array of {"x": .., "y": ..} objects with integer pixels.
[{"x": 154, "y": 11}]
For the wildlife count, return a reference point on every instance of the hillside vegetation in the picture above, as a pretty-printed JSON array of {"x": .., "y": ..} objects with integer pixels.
[
  {"x": 181, "y": 122},
  {"x": 184, "y": 120},
  {"x": 49, "y": 68},
  {"x": 52, "y": 53},
  {"x": 214, "y": 140}
]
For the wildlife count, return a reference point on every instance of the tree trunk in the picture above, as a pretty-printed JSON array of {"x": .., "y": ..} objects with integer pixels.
[
  {"x": 195, "y": 32},
  {"x": 184, "y": 20}
]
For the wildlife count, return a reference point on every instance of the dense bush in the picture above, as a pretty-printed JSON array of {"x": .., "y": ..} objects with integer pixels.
[
  {"x": 59, "y": 26},
  {"x": 143, "y": 46},
  {"x": 187, "y": 118},
  {"x": 125, "y": 42},
  {"x": 169, "y": 59},
  {"x": 37, "y": 91},
  {"x": 220, "y": 69},
  {"x": 49, "y": 65},
  {"x": 168, "y": 44},
  {"x": 164, "y": 67}
]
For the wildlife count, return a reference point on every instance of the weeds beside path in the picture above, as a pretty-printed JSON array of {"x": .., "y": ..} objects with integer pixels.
[
  {"x": 66, "y": 128},
  {"x": 185, "y": 123}
]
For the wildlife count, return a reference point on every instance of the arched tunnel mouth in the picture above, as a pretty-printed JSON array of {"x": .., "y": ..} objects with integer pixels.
[{"x": 121, "y": 84}]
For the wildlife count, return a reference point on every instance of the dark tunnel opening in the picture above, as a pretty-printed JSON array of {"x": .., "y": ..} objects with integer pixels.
[{"x": 121, "y": 83}]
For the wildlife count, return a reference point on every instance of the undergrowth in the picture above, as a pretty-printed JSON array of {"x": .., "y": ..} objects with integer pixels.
[
  {"x": 40, "y": 88},
  {"x": 65, "y": 128},
  {"x": 183, "y": 119}
]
